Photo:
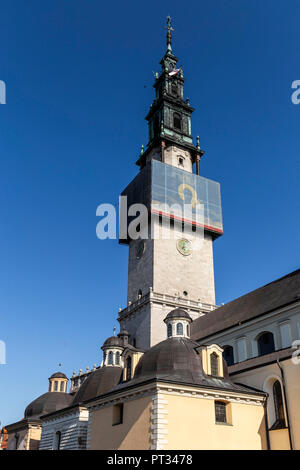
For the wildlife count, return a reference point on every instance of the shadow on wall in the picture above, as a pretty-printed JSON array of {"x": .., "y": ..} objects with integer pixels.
[{"x": 262, "y": 432}]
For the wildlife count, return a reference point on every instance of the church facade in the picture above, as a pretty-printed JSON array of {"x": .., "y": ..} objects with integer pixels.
[{"x": 182, "y": 373}]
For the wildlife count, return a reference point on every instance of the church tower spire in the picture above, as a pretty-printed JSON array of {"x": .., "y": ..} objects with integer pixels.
[
  {"x": 169, "y": 268},
  {"x": 169, "y": 117},
  {"x": 169, "y": 34}
]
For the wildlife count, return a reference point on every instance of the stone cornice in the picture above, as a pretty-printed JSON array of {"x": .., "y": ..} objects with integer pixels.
[
  {"x": 247, "y": 397},
  {"x": 167, "y": 300}
]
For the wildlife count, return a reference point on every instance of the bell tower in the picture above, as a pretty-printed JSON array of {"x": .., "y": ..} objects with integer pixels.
[
  {"x": 169, "y": 117},
  {"x": 174, "y": 269}
]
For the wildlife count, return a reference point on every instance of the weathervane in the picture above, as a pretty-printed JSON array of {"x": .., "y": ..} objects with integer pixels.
[{"x": 169, "y": 33}]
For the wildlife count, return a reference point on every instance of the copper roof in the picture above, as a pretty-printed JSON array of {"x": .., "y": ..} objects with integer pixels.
[
  {"x": 46, "y": 403},
  {"x": 99, "y": 382},
  {"x": 178, "y": 313},
  {"x": 177, "y": 360}
]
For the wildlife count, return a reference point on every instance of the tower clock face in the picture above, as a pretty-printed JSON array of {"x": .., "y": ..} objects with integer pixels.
[
  {"x": 140, "y": 249},
  {"x": 184, "y": 247}
]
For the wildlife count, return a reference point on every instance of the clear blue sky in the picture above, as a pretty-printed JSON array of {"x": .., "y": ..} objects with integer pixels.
[{"x": 79, "y": 83}]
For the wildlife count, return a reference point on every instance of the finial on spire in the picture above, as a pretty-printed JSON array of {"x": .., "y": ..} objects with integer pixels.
[{"x": 169, "y": 34}]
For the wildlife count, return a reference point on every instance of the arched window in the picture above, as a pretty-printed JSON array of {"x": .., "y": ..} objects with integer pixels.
[
  {"x": 56, "y": 385},
  {"x": 170, "y": 330},
  {"x": 278, "y": 405},
  {"x": 177, "y": 121},
  {"x": 117, "y": 358},
  {"x": 62, "y": 386},
  {"x": 57, "y": 440},
  {"x": 179, "y": 329},
  {"x": 110, "y": 358},
  {"x": 188, "y": 330},
  {"x": 265, "y": 343},
  {"x": 214, "y": 364},
  {"x": 128, "y": 368},
  {"x": 228, "y": 355}
]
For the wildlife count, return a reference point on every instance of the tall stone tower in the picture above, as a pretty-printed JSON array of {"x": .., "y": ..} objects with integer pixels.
[{"x": 173, "y": 269}]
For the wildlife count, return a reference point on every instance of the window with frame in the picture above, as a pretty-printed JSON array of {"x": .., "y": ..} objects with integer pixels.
[
  {"x": 265, "y": 343},
  {"x": 56, "y": 385},
  {"x": 177, "y": 121},
  {"x": 118, "y": 414},
  {"x": 170, "y": 330},
  {"x": 214, "y": 364},
  {"x": 57, "y": 440},
  {"x": 179, "y": 329},
  {"x": 62, "y": 386},
  {"x": 220, "y": 412},
  {"x": 174, "y": 89},
  {"x": 228, "y": 355},
  {"x": 110, "y": 358},
  {"x": 128, "y": 368},
  {"x": 278, "y": 406},
  {"x": 117, "y": 358}
]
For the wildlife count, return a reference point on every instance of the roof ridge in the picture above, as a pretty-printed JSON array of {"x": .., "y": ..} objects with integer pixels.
[{"x": 292, "y": 274}]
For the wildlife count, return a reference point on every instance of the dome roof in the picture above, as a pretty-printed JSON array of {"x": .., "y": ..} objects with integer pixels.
[
  {"x": 113, "y": 341},
  {"x": 174, "y": 358},
  {"x": 98, "y": 383},
  {"x": 178, "y": 313},
  {"x": 58, "y": 375},
  {"x": 177, "y": 360},
  {"x": 47, "y": 403}
]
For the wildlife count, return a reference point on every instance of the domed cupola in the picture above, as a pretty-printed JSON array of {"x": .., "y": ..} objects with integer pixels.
[
  {"x": 178, "y": 323},
  {"x": 55, "y": 399},
  {"x": 112, "y": 349},
  {"x": 58, "y": 382}
]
